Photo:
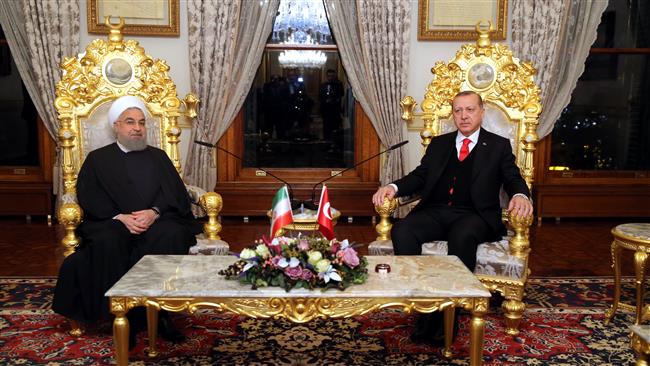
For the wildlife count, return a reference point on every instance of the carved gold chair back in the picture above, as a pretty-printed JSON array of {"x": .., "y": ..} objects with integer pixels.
[
  {"x": 107, "y": 70},
  {"x": 512, "y": 104}
]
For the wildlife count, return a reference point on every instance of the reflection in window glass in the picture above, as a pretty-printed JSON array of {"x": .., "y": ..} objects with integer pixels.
[
  {"x": 299, "y": 112},
  {"x": 299, "y": 117},
  {"x": 607, "y": 124}
]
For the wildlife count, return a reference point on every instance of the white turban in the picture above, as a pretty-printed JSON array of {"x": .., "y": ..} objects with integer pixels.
[{"x": 123, "y": 103}]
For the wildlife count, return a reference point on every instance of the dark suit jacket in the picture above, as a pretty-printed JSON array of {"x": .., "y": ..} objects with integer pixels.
[{"x": 494, "y": 166}]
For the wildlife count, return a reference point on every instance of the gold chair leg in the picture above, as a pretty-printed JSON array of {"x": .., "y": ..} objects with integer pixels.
[
  {"x": 513, "y": 310},
  {"x": 616, "y": 265},
  {"x": 75, "y": 329},
  {"x": 640, "y": 258}
]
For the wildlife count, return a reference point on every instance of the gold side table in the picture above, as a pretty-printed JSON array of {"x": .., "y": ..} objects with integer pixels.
[
  {"x": 635, "y": 237},
  {"x": 641, "y": 344},
  {"x": 305, "y": 220}
]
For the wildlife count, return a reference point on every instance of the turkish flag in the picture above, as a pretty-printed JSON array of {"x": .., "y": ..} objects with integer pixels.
[{"x": 325, "y": 225}]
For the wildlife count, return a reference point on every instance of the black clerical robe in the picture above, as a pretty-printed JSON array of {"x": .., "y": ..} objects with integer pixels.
[{"x": 113, "y": 182}]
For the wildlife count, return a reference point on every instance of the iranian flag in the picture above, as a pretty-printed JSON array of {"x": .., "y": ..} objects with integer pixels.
[
  {"x": 282, "y": 215},
  {"x": 324, "y": 218}
]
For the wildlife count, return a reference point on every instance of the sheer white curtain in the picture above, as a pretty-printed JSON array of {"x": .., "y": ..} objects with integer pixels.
[
  {"x": 373, "y": 39},
  {"x": 226, "y": 41},
  {"x": 555, "y": 35}
]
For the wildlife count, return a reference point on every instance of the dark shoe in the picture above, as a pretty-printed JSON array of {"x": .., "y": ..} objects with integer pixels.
[{"x": 167, "y": 330}]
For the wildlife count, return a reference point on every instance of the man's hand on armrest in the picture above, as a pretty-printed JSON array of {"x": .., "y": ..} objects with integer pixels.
[
  {"x": 520, "y": 206},
  {"x": 388, "y": 191}
]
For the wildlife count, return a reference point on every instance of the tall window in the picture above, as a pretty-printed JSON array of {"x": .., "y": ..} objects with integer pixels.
[
  {"x": 18, "y": 129},
  {"x": 606, "y": 127},
  {"x": 299, "y": 112}
]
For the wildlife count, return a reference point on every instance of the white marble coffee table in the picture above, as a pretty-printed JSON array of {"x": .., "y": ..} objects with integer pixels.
[{"x": 187, "y": 283}]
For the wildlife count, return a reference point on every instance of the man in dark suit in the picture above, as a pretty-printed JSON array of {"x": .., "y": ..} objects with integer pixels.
[{"x": 459, "y": 179}]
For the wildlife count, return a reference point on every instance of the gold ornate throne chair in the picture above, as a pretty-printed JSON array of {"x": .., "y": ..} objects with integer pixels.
[
  {"x": 512, "y": 106},
  {"x": 90, "y": 82}
]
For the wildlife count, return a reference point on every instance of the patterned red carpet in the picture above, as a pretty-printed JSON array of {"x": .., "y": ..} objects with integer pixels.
[{"x": 563, "y": 325}]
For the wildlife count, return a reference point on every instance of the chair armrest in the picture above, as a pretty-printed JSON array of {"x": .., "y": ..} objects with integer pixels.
[
  {"x": 211, "y": 203},
  {"x": 519, "y": 243}
]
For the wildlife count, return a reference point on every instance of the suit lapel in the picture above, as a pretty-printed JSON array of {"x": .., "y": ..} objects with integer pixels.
[{"x": 481, "y": 153}]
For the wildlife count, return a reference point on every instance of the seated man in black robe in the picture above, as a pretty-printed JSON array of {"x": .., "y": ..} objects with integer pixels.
[{"x": 134, "y": 203}]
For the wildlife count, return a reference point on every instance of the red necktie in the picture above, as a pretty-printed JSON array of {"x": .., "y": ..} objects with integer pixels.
[{"x": 464, "y": 150}]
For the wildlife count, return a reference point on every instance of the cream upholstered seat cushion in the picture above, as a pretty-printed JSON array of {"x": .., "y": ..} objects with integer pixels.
[{"x": 492, "y": 258}]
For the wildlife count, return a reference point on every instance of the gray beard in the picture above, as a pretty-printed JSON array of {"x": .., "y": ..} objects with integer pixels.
[{"x": 134, "y": 145}]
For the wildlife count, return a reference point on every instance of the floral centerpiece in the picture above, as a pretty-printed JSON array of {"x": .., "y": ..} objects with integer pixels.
[{"x": 307, "y": 262}]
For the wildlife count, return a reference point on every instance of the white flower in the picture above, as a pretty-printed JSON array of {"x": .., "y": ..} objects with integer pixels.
[
  {"x": 344, "y": 244},
  {"x": 314, "y": 257},
  {"x": 322, "y": 266},
  {"x": 330, "y": 274},
  {"x": 291, "y": 263},
  {"x": 247, "y": 254},
  {"x": 263, "y": 251}
]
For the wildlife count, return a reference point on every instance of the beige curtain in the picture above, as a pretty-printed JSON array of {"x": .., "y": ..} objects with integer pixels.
[
  {"x": 40, "y": 34},
  {"x": 373, "y": 40},
  {"x": 227, "y": 39},
  {"x": 555, "y": 35}
]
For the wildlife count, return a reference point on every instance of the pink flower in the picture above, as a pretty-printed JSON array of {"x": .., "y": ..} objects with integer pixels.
[
  {"x": 294, "y": 273},
  {"x": 303, "y": 245},
  {"x": 306, "y": 274},
  {"x": 350, "y": 257},
  {"x": 335, "y": 247},
  {"x": 275, "y": 260}
]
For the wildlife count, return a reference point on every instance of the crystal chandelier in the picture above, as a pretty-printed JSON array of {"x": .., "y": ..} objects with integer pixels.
[
  {"x": 302, "y": 20},
  {"x": 302, "y": 58},
  {"x": 302, "y": 23}
]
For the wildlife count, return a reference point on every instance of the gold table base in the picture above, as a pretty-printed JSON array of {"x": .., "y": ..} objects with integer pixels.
[
  {"x": 298, "y": 310},
  {"x": 641, "y": 251}
]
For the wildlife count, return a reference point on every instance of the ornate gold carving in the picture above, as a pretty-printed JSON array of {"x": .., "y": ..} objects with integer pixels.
[
  {"x": 641, "y": 249},
  {"x": 70, "y": 215},
  {"x": 211, "y": 203},
  {"x": 76, "y": 330},
  {"x": 385, "y": 211},
  {"x": 191, "y": 105},
  {"x": 301, "y": 310},
  {"x": 642, "y": 349},
  {"x": 513, "y": 311}
]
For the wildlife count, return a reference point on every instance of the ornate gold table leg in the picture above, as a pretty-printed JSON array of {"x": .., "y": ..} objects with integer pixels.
[
  {"x": 449, "y": 331},
  {"x": 120, "y": 331},
  {"x": 478, "y": 307},
  {"x": 152, "y": 330},
  {"x": 641, "y": 347},
  {"x": 616, "y": 256},
  {"x": 640, "y": 258}
]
